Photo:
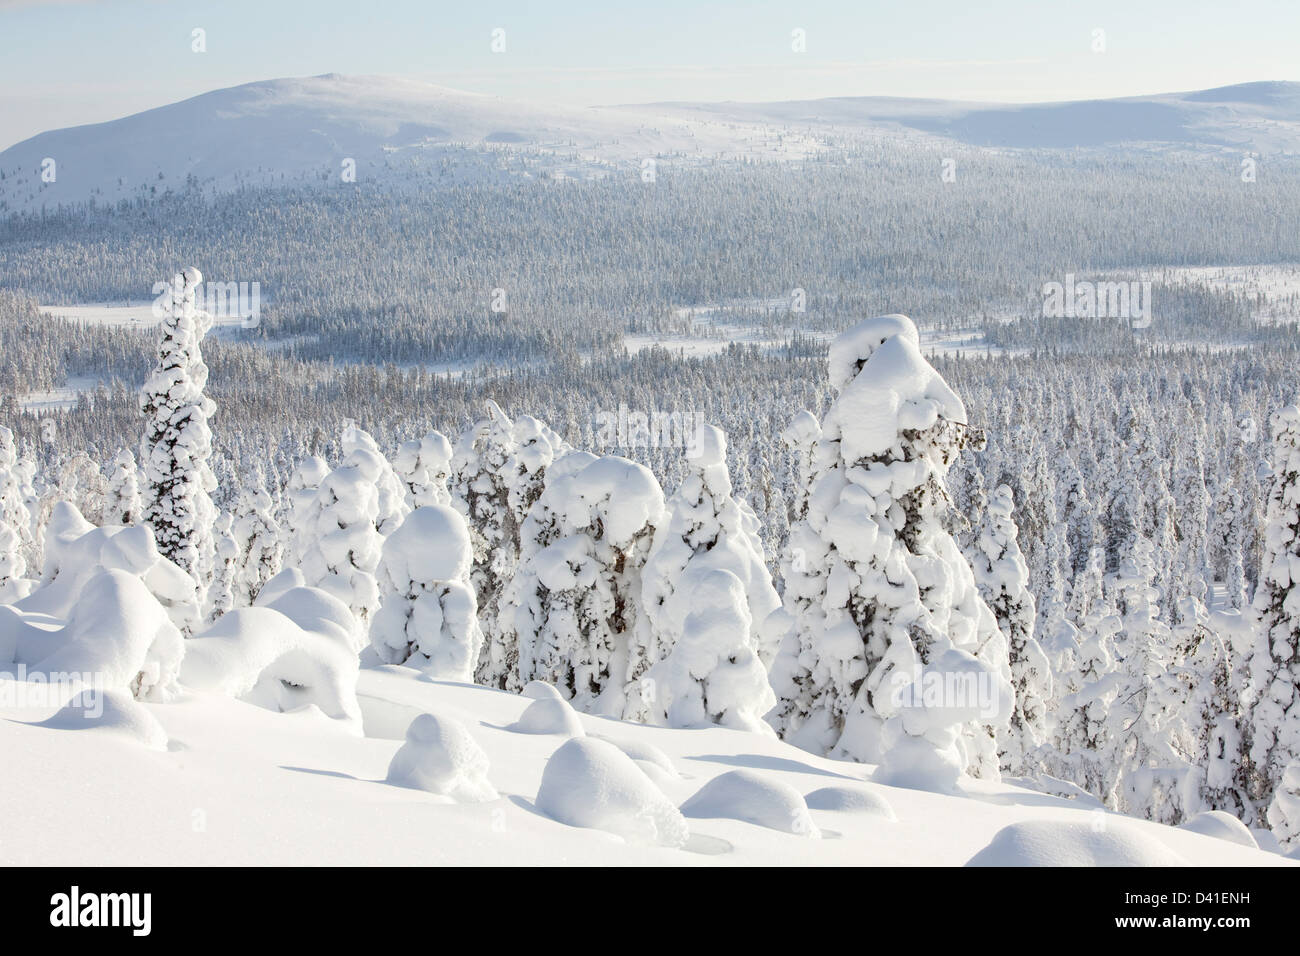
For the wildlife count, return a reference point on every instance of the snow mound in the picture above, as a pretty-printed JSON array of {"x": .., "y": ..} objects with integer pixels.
[
  {"x": 592, "y": 784},
  {"x": 313, "y": 610},
  {"x": 117, "y": 637},
  {"x": 262, "y": 655},
  {"x": 1221, "y": 826},
  {"x": 549, "y": 715},
  {"x": 540, "y": 690},
  {"x": 1053, "y": 843},
  {"x": 850, "y": 800},
  {"x": 76, "y": 551},
  {"x": 643, "y": 753},
  {"x": 286, "y": 580},
  {"x": 440, "y": 756},
  {"x": 752, "y": 797},
  {"x": 111, "y": 712}
]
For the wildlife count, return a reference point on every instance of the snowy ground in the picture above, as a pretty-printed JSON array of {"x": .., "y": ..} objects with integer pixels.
[{"x": 238, "y": 784}]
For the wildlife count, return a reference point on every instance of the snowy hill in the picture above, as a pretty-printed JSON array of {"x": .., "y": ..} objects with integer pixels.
[
  {"x": 229, "y": 783},
  {"x": 1257, "y": 117},
  {"x": 295, "y": 131},
  {"x": 409, "y": 132}
]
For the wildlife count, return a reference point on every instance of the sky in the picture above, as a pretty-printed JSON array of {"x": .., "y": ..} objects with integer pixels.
[{"x": 69, "y": 62}]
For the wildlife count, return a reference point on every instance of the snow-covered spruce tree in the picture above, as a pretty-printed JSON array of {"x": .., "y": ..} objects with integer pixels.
[
  {"x": 355, "y": 506},
  {"x": 178, "y": 444},
  {"x": 15, "y": 521},
  {"x": 225, "y": 568},
  {"x": 1003, "y": 582},
  {"x": 1275, "y": 716},
  {"x": 300, "y": 495},
  {"x": 573, "y": 605},
  {"x": 712, "y": 673},
  {"x": 424, "y": 465},
  {"x": 257, "y": 538},
  {"x": 499, "y": 471},
  {"x": 1212, "y": 730},
  {"x": 1147, "y": 703},
  {"x": 428, "y": 618},
  {"x": 480, "y": 490},
  {"x": 122, "y": 500},
  {"x": 706, "y": 527},
  {"x": 1084, "y": 742},
  {"x": 893, "y": 657}
]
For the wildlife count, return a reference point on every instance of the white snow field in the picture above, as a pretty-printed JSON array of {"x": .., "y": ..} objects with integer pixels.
[{"x": 235, "y": 783}]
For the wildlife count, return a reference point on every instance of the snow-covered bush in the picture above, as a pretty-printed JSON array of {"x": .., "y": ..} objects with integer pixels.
[
  {"x": 427, "y": 617},
  {"x": 893, "y": 657},
  {"x": 574, "y": 603}
]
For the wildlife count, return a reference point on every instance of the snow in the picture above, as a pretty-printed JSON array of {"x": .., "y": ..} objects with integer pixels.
[
  {"x": 590, "y": 783},
  {"x": 754, "y": 798},
  {"x": 850, "y": 800},
  {"x": 113, "y": 713},
  {"x": 1222, "y": 826},
  {"x": 549, "y": 715},
  {"x": 242, "y": 785},
  {"x": 1049, "y": 843},
  {"x": 441, "y": 757}
]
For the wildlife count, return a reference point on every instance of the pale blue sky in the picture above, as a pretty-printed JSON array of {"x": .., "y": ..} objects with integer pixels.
[{"x": 81, "y": 61}]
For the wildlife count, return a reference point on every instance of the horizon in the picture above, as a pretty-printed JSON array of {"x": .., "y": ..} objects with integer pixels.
[{"x": 117, "y": 59}]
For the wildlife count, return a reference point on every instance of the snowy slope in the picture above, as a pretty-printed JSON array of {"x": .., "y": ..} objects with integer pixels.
[
  {"x": 297, "y": 131},
  {"x": 300, "y": 131},
  {"x": 1259, "y": 117},
  {"x": 237, "y": 784}
]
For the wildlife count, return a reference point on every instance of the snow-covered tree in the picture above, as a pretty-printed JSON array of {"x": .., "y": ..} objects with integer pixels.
[
  {"x": 706, "y": 527},
  {"x": 1275, "y": 717},
  {"x": 499, "y": 471},
  {"x": 300, "y": 494},
  {"x": 15, "y": 521},
  {"x": 178, "y": 479},
  {"x": 712, "y": 673},
  {"x": 344, "y": 521},
  {"x": 428, "y": 618},
  {"x": 574, "y": 603},
  {"x": 122, "y": 500},
  {"x": 225, "y": 567},
  {"x": 887, "y": 618},
  {"x": 257, "y": 538},
  {"x": 424, "y": 465},
  {"x": 1003, "y": 581}
]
